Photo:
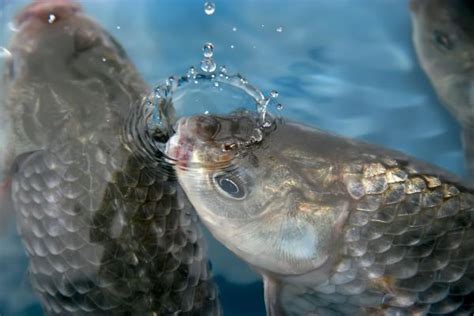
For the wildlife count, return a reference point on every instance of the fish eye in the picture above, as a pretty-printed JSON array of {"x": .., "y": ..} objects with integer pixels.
[
  {"x": 230, "y": 186},
  {"x": 442, "y": 40}
]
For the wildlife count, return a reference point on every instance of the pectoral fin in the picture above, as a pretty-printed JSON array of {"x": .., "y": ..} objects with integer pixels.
[{"x": 272, "y": 289}]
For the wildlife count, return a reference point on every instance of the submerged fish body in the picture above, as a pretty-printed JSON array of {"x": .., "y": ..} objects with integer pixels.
[
  {"x": 335, "y": 226},
  {"x": 443, "y": 34},
  {"x": 107, "y": 229}
]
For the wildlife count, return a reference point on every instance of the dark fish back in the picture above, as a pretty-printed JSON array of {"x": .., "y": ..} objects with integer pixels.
[{"x": 108, "y": 233}]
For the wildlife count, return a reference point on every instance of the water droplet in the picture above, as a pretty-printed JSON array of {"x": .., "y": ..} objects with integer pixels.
[
  {"x": 234, "y": 29},
  {"x": 208, "y": 50},
  {"x": 274, "y": 94},
  {"x": 232, "y": 46},
  {"x": 191, "y": 72},
  {"x": 51, "y": 18},
  {"x": 209, "y": 8},
  {"x": 279, "y": 29},
  {"x": 279, "y": 106},
  {"x": 5, "y": 53},
  {"x": 257, "y": 135},
  {"x": 208, "y": 65},
  {"x": 118, "y": 27}
]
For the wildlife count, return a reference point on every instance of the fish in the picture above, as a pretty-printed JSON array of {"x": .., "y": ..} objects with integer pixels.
[
  {"x": 443, "y": 37},
  {"x": 106, "y": 227},
  {"x": 335, "y": 226}
]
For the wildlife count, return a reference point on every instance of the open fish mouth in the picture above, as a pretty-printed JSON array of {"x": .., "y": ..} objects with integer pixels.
[{"x": 194, "y": 145}]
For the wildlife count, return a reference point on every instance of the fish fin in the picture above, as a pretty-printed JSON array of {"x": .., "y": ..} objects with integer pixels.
[
  {"x": 468, "y": 143},
  {"x": 271, "y": 288}
]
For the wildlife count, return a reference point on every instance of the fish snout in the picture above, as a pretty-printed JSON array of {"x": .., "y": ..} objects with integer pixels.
[{"x": 47, "y": 11}]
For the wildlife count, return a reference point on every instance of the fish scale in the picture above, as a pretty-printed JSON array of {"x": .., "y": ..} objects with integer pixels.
[
  {"x": 128, "y": 246},
  {"x": 406, "y": 248}
]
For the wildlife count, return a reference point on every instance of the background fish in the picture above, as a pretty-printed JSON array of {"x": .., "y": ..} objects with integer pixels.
[
  {"x": 335, "y": 226},
  {"x": 106, "y": 227},
  {"x": 443, "y": 34}
]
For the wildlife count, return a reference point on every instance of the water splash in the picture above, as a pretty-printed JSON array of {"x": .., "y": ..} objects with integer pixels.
[
  {"x": 205, "y": 91},
  {"x": 208, "y": 64},
  {"x": 209, "y": 8}
]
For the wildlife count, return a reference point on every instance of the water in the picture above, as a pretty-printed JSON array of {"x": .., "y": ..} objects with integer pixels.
[{"x": 343, "y": 66}]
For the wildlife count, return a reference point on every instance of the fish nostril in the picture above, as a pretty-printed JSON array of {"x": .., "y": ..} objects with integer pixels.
[{"x": 48, "y": 11}]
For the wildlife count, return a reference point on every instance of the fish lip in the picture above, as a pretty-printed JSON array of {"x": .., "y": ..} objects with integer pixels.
[{"x": 179, "y": 147}]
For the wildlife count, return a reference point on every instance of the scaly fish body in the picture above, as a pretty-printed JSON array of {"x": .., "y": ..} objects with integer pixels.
[
  {"x": 107, "y": 229},
  {"x": 335, "y": 226},
  {"x": 443, "y": 34}
]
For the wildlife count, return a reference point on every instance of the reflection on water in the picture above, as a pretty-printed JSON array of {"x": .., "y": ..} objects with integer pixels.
[{"x": 343, "y": 66}]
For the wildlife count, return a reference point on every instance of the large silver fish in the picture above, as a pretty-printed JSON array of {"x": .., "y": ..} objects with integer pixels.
[
  {"x": 335, "y": 226},
  {"x": 443, "y": 34},
  {"x": 106, "y": 228}
]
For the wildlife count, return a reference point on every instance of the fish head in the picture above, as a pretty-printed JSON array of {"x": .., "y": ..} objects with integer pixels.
[
  {"x": 66, "y": 77},
  {"x": 443, "y": 34},
  {"x": 252, "y": 195},
  {"x": 54, "y": 38}
]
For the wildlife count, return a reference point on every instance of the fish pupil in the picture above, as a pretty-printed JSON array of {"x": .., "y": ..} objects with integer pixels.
[{"x": 230, "y": 187}]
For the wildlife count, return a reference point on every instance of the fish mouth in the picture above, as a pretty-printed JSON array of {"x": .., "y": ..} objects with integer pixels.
[{"x": 193, "y": 144}]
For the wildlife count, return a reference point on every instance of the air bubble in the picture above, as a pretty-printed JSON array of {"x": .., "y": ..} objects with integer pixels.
[
  {"x": 208, "y": 50},
  {"x": 208, "y": 65},
  {"x": 274, "y": 94},
  {"x": 267, "y": 124},
  {"x": 118, "y": 27},
  {"x": 279, "y": 29},
  {"x": 209, "y": 8},
  {"x": 223, "y": 69},
  {"x": 234, "y": 29},
  {"x": 232, "y": 46},
  {"x": 104, "y": 59},
  {"x": 279, "y": 106}
]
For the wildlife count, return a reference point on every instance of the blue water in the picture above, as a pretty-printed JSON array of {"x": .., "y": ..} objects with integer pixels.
[{"x": 347, "y": 66}]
